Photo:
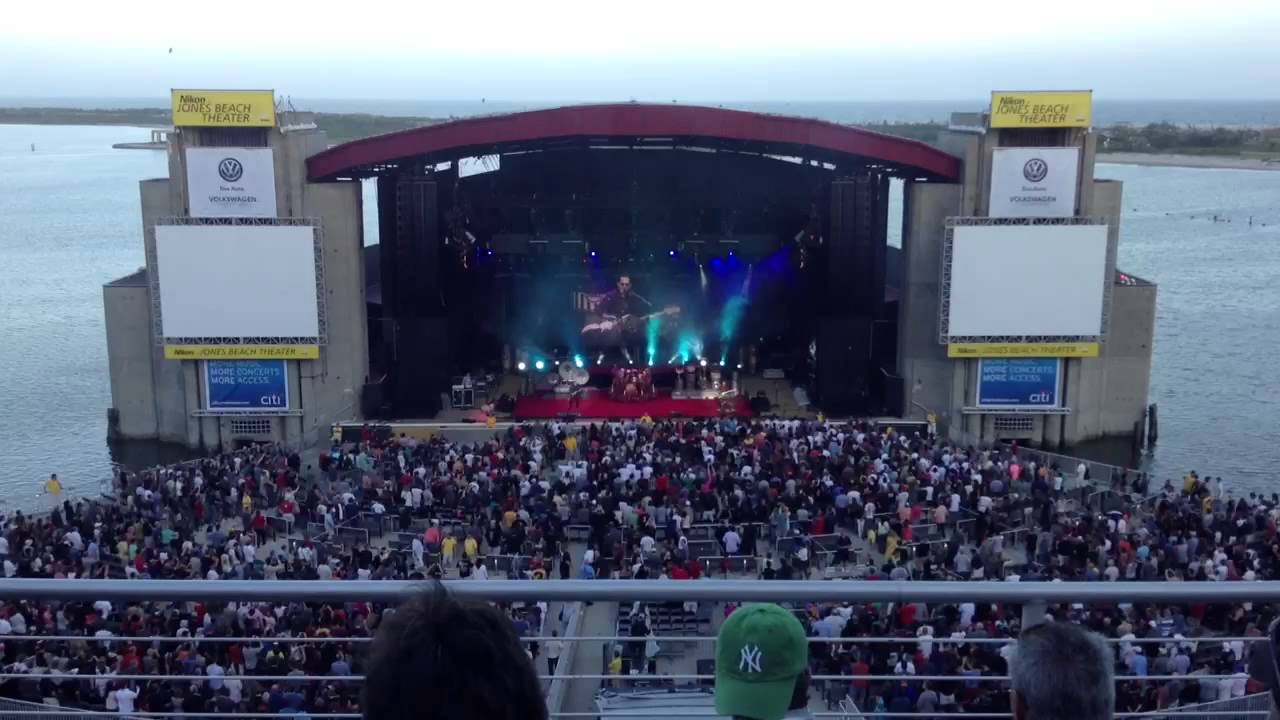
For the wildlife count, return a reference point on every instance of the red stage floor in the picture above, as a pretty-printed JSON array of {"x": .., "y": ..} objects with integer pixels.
[{"x": 597, "y": 404}]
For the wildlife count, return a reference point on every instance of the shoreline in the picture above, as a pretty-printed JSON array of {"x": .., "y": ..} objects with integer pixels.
[{"x": 1202, "y": 162}]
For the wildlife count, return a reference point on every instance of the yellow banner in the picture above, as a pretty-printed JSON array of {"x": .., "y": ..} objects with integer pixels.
[
  {"x": 224, "y": 108},
  {"x": 1042, "y": 109},
  {"x": 242, "y": 352},
  {"x": 1005, "y": 350}
]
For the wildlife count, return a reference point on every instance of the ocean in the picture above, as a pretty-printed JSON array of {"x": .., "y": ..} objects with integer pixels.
[{"x": 70, "y": 221}]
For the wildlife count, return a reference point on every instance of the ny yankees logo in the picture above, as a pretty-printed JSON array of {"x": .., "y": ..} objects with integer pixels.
[{"x": 749, "y": 659}]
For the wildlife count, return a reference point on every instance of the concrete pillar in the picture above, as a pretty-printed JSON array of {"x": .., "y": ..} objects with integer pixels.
[{"x": 928, "y": 375}]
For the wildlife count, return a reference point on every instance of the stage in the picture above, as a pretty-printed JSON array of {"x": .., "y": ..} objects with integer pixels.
[{"x": 597, "y": 404}]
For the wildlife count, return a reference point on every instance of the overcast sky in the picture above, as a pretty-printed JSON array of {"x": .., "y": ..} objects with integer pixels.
[{"x": 689, "y": 50}]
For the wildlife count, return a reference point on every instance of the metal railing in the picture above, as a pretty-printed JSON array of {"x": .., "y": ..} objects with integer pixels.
[{"x": 1035, "y": 599}]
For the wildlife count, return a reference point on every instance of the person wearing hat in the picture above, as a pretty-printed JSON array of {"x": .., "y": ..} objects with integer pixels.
[{"x": 762, "y": 665}]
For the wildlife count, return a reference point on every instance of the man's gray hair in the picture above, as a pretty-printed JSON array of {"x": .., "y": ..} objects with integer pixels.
[{"x": 1063, "y": 672}]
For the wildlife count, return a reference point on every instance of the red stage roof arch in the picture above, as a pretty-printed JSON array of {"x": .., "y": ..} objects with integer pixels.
[{"x": 634, "y": 122}]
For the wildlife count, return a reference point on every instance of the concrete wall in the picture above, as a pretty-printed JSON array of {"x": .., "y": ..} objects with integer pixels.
[
  {"x": 172, "y": 418},
  {"x": 127, "y": 311},
  {"x": 330, "y": 387},
  {"x": 929, "y": 378}
]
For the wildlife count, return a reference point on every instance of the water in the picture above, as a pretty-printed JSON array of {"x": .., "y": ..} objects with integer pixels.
[
  {"x": 1217, "y": 346},
  {"x": 69, "y": 222},
  {"x": 1258, "y": 113}
]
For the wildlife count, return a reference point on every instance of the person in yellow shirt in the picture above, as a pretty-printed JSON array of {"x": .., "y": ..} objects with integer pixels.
[
  {"x": 246, "y": 503},
  {"x": 53, "y": 486},
  {"x": 571, "y": 446},
  {"x": 471, "y": 548},
  {"x": 615, "y": 667},
  {"x": 447, "y": 549},
  {"x": 891, "y": 547}
]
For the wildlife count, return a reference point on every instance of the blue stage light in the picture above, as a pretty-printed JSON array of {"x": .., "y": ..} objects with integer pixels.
[
  {"x": 577, "y": 360},
  {"x": 521, "y": 366},
  {"x": 540, "y": 365}
]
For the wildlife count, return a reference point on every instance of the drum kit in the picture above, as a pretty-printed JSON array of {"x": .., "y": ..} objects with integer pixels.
[
  {"x": 572, "y": 377},
  {"x": 632, "y": 385}
]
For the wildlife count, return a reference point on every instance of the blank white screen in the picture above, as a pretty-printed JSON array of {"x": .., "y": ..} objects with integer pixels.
[
  {"x": 237, "y": 280},
  {"x": 1027, "y": 279}
]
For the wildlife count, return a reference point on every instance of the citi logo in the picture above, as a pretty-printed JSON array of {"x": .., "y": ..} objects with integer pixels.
[
  {"x": 272, "y": 400},
  {"x": 1040, "y": 397}
]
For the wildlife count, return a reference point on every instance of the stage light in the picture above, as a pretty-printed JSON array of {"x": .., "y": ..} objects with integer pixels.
[
  {"x": 540, "y": 365},
  {"x": 593, "y": 253},
  {"x": 672, "y": 253},
  {"x": 521, "y": 366},
  {"x": 721, "y": 363},
  {"x": 577, "y": 360},
  {"x": 739, "y": 366},
  {"x": 703, "y": 362}
]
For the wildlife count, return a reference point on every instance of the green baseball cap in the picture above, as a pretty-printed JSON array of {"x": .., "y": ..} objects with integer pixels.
[{"x": 761, "y": 651}]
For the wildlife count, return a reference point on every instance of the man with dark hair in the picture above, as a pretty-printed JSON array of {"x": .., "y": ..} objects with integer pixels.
[
  {"x": 441, "y": 657},
  {"x": 762, "y": 665}
]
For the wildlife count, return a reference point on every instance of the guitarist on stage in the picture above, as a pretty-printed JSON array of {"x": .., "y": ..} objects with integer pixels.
[
  {"x": 622, "y": 315},
  {"x": 623, "y": 303}
]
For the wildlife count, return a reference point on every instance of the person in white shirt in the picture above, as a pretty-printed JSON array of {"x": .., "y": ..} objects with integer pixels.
[
  {"x": 553, "y": 649},
  {"x": 124, "y": 700},
  {"x": 481, "y": 572},
  {"x": 732, "y": 542}
]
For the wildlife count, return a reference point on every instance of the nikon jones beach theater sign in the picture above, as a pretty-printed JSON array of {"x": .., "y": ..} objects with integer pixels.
[
  {"x": 1042, "y": 109},
  {"x": 231, "y": 182},
  {"x": 224, "y": 108}
]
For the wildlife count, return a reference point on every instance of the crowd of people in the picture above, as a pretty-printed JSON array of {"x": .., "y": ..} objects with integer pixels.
[{"x": 885, "y": 504}]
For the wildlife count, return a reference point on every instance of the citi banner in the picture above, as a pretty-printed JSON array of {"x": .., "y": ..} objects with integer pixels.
[
  {"x": 245, "y": 386},
  {"x": 1018, "y": 382},
  {"x": 1034, "y": 182},
  {"x": 231, "y": 182}
]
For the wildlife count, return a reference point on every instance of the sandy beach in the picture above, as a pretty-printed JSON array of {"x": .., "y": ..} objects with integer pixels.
[{"x": 1191, "y": 161}]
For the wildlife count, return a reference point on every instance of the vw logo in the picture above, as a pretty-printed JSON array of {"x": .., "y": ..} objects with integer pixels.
[
  {"x": 230, "y": 170},
  {"x": 1034, "y": 171}
]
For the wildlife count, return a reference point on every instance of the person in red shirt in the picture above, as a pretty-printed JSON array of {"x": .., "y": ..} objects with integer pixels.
[
  {"x": 858, "y": 687},
  {"x": 678, "y": 572}
]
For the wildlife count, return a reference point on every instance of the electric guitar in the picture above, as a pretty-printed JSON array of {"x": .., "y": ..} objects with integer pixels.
[{"x": 628, "y": 323}]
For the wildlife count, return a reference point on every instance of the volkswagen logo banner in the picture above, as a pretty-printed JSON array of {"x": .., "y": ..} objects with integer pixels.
[
  {"x": 1034, "y": 182},
  {"x": 231, "y": 182}
]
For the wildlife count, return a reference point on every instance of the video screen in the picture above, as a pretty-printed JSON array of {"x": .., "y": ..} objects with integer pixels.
[{"x": 672, "y": 311}]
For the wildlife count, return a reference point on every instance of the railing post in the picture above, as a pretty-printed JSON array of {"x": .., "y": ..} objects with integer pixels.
[{"x": 1033, "y": 613}]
